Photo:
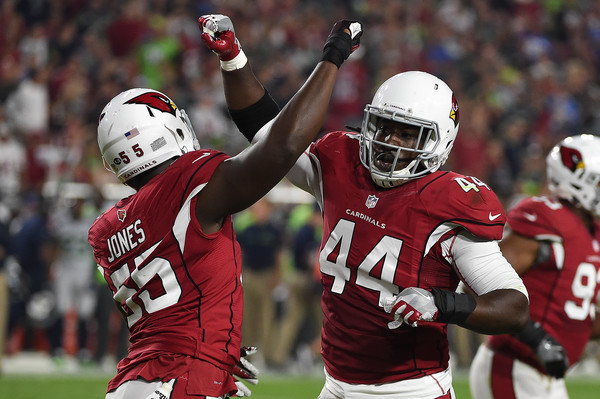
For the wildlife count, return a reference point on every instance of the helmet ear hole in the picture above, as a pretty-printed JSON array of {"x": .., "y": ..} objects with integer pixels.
[{"x": 180, "y": 133}]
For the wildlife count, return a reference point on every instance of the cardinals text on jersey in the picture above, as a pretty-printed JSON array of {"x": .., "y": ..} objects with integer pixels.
[{"x": 378, "y": 241}]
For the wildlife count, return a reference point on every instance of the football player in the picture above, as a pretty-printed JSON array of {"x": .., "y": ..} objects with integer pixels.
[
  {"x": 168, "y": 252},
  {"x": 398, "y": 236},
  {"x": 554, "y": 244}
]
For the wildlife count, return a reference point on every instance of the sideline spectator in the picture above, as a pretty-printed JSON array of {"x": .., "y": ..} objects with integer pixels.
[
  {"x": 301, "y": 324},
  {"x": 262, "y": 249},
  {"x": 73, "y": 270},
  {"x": 35, "y": 248},
  {"x": 12, "y": 163}
]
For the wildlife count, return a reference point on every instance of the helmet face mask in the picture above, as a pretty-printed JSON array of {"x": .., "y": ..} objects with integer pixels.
[
  {"x": 573, "y": 171},
  {"x": 141, "y": 128},
  {"x": 388, "y": 160},
  {"x": 410, "y": 99}
]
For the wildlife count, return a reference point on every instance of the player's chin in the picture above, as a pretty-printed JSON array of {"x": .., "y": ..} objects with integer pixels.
[{"x": 386, "y": 166}]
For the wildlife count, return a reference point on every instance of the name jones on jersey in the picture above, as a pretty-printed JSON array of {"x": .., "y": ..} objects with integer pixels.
[{"x": 125, "y": 240}]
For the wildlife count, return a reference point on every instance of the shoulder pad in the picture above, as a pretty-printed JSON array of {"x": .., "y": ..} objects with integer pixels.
[{"x": 466, "y": 201}]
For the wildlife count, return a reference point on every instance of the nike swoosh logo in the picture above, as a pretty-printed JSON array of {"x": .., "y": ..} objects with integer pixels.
[
  {"x": 532, "y": 217},
  {"x": 494, "y": 217}
]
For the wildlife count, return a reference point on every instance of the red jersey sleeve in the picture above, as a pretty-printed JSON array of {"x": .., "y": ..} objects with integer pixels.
[
  {"x": 535, "y": 218},
  {"x": 465, "y": 201}
]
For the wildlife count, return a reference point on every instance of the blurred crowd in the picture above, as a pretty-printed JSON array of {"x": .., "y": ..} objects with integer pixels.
[{"x": 525, "y": 74}]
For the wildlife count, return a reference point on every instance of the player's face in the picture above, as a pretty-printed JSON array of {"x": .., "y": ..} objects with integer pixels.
[{"x": 398, "y": 135}]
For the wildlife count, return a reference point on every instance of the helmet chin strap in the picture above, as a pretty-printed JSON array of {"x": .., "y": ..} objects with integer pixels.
[
  {"x": 390, "y": 181},
  {"x": 192, "y": 131},
  {"x": 106, "y": 166}
]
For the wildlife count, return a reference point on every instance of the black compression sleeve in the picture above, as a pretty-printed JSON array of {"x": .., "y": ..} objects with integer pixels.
[{"x": 249, "y": 120}]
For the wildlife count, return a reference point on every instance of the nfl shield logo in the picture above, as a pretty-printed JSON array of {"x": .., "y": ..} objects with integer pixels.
[
  {"x": 371, "y": 201},
  {"x": 121, "y": 214}
]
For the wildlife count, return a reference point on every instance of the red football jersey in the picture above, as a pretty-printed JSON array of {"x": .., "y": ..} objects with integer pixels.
[
  {"x": 563, "y": 288},
  {"x": 377, "y": 242},
  {"x": 179, "y": 288}
]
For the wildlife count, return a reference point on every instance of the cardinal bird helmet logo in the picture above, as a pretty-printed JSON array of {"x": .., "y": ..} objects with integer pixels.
[
  {"x": 454, "y": 111},
  {"x": 571, "y": 158},
  {"x": 156, "y": 101}
]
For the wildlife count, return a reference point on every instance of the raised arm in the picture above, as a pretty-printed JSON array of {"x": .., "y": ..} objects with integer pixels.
[
  {"x": 250, "y": 105},
  {"x": 243, "y": 179}
]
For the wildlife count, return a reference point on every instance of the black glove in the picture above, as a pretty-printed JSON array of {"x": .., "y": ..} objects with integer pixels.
[
  {"x": 553, "y": 357},
  {"x": 549, "y": 352},
  {"x": 339, "y": 44}
]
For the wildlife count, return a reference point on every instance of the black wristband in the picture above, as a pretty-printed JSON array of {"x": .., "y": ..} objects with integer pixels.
[
  {"x": 249, "y": 120},
  {"x": 453, "y": 308},
  {"x": 337, "y": 48},
  {"x": 532, "y": 334}
]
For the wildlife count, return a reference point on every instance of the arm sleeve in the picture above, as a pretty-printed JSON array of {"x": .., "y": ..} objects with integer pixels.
[
  {"x": 306, "y": 175},
  {"x": 249, "y": 120},
  {"x": 481, "y": 265}
]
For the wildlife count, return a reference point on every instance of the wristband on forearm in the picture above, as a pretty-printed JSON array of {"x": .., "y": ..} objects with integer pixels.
[
  {"x": 249, "y": 120},
  {"x": 238, "y": 62},
  {"x": 453, "y": 308}
]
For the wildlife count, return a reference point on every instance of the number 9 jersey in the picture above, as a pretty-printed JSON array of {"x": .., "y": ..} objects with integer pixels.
[
  {"x": 564, "y": 283},
  {"x": 178, "y": 288}
]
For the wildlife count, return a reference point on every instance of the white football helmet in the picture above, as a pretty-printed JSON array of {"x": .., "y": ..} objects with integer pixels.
[
  {"x": 573, "y": 171},
  {"x": 141, "y": 128},
  {"x": 413, "y": 98}
]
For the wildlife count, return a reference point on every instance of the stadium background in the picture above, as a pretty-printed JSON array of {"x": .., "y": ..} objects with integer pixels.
[{"x": 525, "y": 74}]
